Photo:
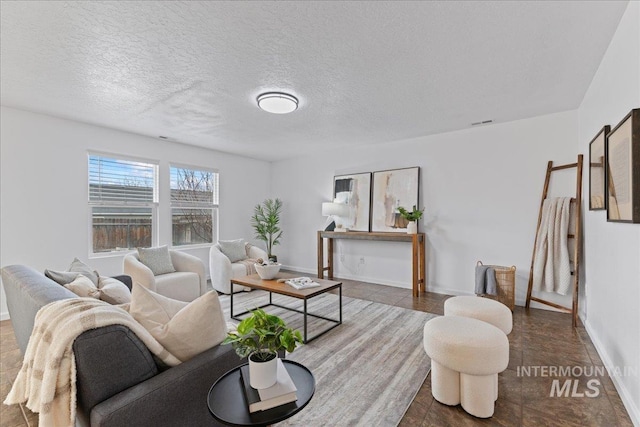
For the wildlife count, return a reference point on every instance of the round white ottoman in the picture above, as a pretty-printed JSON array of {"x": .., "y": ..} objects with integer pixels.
[
  {"x": 466, "y": 356},
  {"x": 484, "y": 309}
]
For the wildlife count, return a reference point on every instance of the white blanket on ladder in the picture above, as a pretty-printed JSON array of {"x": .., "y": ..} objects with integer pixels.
[{"x": 552, "y": 265}]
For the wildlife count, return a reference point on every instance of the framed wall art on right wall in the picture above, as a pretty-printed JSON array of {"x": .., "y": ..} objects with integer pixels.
[
  {"x": 622, "y": 157},
  {"x": 597, "y": 180}
]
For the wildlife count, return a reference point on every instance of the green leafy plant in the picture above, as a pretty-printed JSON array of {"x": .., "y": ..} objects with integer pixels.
[
  {"x": 412, "y": 215},
  {"x": 263, "y": 335},
  {"x": 265, "y": 221}
]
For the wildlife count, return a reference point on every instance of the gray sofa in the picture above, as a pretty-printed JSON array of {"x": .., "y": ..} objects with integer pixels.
[{"x": 119, "y": 383}]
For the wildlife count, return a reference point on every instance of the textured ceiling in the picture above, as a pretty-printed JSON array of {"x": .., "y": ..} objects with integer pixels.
[{"x": 365, "y": 72}]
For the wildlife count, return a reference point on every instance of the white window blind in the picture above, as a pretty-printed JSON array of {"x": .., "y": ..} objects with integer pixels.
[
  {"x": 121, "y": 181},
  {"x": 123, "y": 194}
]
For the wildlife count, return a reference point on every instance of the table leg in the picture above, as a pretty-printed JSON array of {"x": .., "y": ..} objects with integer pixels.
[
  {"x": 340, "y": 301},
  {"x": 320, "y": 256},
  {"x": 415, "y": 266},
  {"x": 330, "y": 257},
  {"x": 305, "y": 321},
  {"x": 231, "y": 303},
  {"x": 423, "y": 264}
]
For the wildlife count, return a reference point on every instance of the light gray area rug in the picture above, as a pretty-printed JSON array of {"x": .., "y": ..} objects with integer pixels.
[{"x": 367, "y": 370}]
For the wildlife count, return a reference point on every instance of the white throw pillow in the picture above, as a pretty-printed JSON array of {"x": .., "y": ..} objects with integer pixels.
[
  {"x": 109, "y": 289},
  {"x": 235, "y": 250},
  {"x": 113, "y": 291},
  {"x": 184, "y": 329},
  {"x": 83, "y": 287}
]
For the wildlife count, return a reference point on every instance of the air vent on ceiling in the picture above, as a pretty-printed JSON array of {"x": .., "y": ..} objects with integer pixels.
[
  {"x": 484, "y": 122},
  {"x": 163, "y": 137}
]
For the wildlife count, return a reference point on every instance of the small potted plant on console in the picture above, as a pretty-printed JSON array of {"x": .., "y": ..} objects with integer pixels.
[
  {"x": 260, "y": 337},
  {"x": 412, "y": 216}
]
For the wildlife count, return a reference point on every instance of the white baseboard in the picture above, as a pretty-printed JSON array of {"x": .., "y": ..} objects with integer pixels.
[
  {"x": 300, "y": 269},
  {"x": 447, "y": 291},
  {"x": 435, "y": 289},
  {"x": 632, "y": 407},
  {"x": 4, "y": 315},
  {"x": 348, "y": 276}
]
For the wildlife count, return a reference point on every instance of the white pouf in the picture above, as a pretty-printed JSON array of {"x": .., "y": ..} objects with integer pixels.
[
  {"x": 466, "y": 356},
  {"x": 484, "y": 309}
]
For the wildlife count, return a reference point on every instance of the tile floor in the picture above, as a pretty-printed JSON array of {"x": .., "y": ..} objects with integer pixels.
[{"x": 539, "y": 338}]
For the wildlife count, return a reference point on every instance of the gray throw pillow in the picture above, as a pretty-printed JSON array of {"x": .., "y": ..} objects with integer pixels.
[
  {"x": 76, "y": 268},
  {"x": 157, "y": 259},
  {"x": 234, "y": 249}
]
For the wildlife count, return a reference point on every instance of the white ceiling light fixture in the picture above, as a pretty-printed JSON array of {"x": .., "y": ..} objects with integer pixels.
[{"x": 277, "y": 102}]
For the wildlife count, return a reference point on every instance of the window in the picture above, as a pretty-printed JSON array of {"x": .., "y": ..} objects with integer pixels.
[
  {"x": 194, "y": 205},
  {"x": 123, "y": 196}
]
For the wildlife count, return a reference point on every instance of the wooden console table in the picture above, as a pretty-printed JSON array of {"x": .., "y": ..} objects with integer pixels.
[{"x": 417, "y": 242}]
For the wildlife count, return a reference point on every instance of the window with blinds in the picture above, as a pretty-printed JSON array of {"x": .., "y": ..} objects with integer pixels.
[
  {"x": 123, "y": 195},
  {"x": 194, "y": 205}
]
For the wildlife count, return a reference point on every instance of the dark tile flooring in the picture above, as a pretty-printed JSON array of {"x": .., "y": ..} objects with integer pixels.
[{"x": 539, "y": 338}]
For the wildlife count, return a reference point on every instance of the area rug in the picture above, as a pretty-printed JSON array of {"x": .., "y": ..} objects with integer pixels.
[{"x": 368, "y": 370}]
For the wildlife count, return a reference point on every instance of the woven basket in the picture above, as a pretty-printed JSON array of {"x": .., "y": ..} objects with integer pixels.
[{"x": 506, "y": 280}]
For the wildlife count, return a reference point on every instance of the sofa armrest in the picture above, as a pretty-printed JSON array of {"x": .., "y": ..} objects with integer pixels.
[
  {"x": 139, "y": 272},
  {"x": 108, "y": 360},
  {"x": 176, "y": 397},
  {"x": 220, "y": 270},
  {"x": 27, "y": 291},
  {"x": 186, "y": 262}
]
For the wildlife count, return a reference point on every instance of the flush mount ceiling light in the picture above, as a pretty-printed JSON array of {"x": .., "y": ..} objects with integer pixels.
[{"x": 277, "y": 102}]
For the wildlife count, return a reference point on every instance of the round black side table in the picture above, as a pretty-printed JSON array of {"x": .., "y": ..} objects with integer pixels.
[{"x": 228, "y": 405}]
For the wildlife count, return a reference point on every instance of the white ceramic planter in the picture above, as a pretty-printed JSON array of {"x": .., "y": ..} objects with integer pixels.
[
  {"x": 263, "y": 374},
  {"x": 267, "y": 272},
  {"x": 412, "y": 227}
]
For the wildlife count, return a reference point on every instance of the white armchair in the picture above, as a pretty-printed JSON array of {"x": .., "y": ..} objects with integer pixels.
[
  {"x": 222, "y": 270},
  {"x": 187, "y": 283}
]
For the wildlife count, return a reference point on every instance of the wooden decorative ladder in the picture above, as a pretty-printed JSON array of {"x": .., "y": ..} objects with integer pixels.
[{"x": 576, "y": 237}]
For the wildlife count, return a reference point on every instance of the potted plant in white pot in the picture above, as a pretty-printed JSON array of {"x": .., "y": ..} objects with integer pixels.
[
  {"x": 412, "y": 216},
  {"x": 265, "y": 222},
  {"x": 259, "y": 337}
]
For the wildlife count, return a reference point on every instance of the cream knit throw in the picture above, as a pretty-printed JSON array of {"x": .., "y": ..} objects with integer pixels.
[
  {"x": 551, "y": 264},
  {"x": 47, "y": 379},
  {"x": 249, "y": 265}
]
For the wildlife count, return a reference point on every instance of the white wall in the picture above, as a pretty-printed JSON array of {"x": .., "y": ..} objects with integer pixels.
[
  {"x": 43, "y": 200},
  {"x": 481, "y": 188},
  {"x": 612, "y": 250}
]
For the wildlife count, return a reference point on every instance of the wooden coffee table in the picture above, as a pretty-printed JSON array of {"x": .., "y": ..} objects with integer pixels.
[{"x": 274, "y": 287}]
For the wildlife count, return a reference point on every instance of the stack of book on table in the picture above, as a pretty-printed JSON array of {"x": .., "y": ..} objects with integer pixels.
[
  {"x": 302, "y": 283},
  {"x": 283, "y": 391}
]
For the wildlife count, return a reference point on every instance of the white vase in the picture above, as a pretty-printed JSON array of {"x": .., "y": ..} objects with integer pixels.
[
  {"x": 412, "y": 227},
  {"x": 263, "y": 374}
]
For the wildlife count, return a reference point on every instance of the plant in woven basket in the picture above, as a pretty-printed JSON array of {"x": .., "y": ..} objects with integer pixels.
[{"x": 412, "y": 215}]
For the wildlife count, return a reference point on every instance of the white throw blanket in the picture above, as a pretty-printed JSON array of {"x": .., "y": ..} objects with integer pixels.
[
  {"x": 47, "y": 379},
  {"x": 551, "y": 265}
]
